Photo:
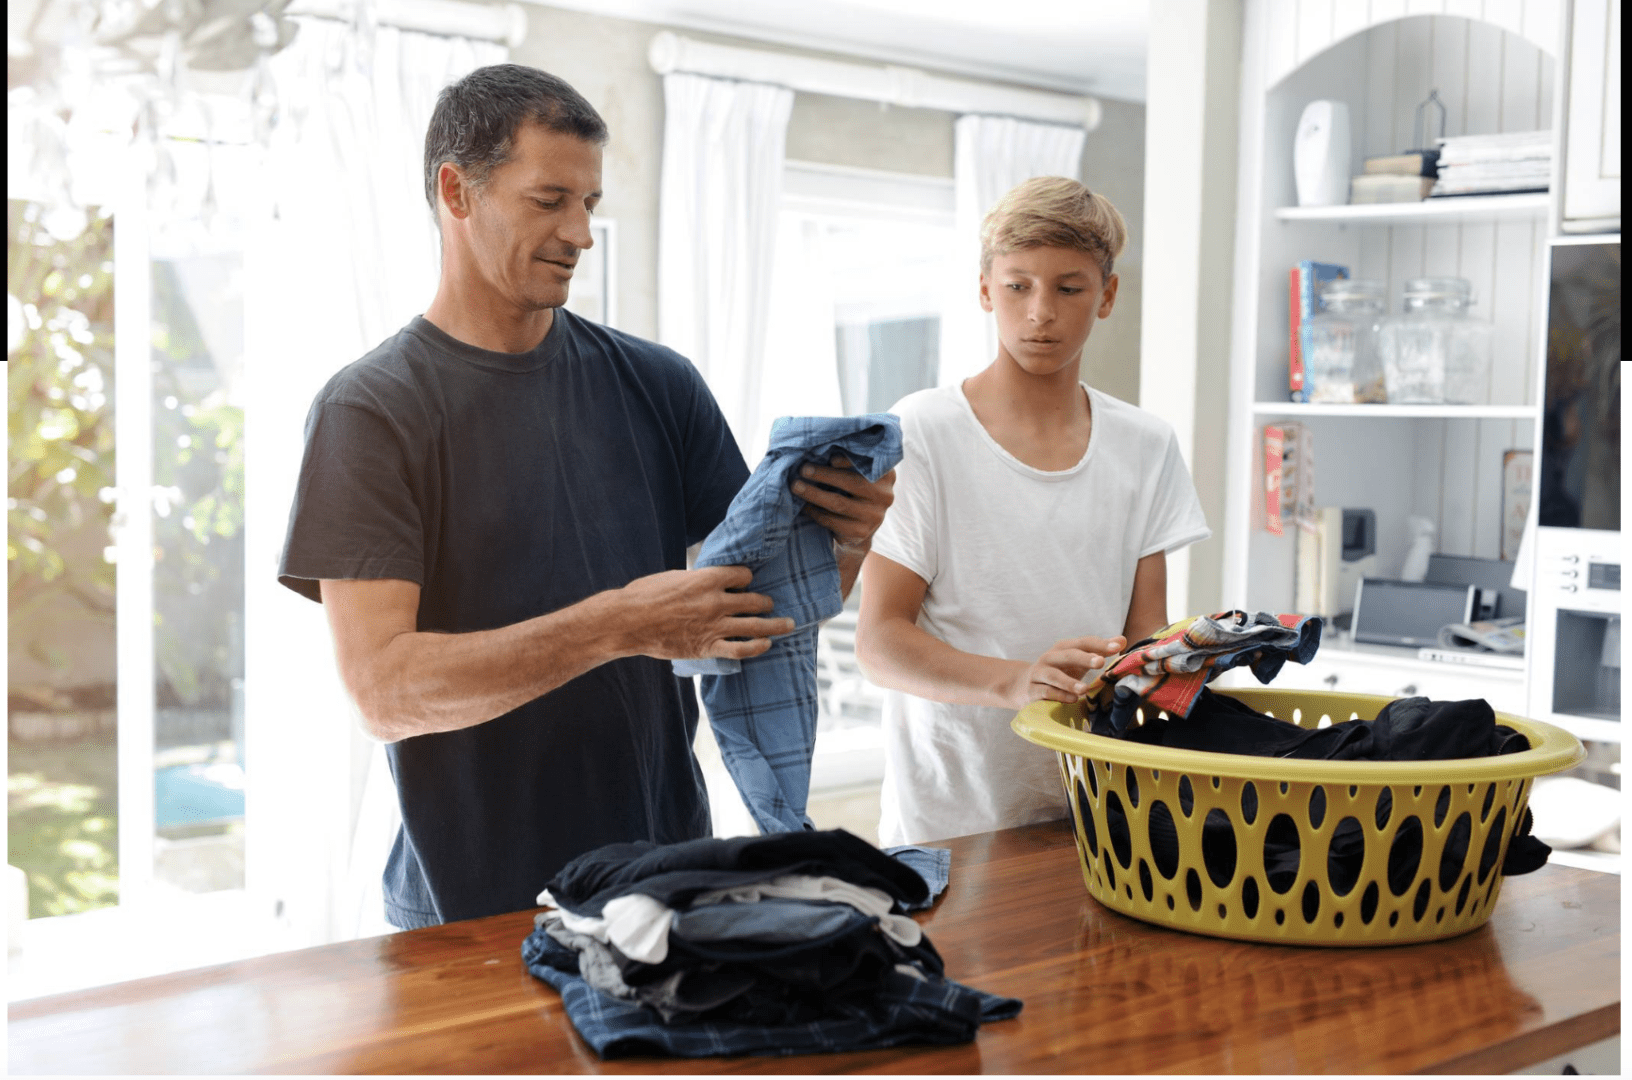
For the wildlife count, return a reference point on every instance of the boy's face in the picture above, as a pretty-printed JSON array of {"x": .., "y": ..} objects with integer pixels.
[{"x": 1046, "y": 300}]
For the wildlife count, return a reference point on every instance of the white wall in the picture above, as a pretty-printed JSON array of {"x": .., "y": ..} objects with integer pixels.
[
  {"x": 605, "y": 59},
  {"x": 1192, "y": 71}
]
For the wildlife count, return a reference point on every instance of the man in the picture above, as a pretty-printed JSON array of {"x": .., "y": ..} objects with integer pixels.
[{"x": 494, "y": 509}]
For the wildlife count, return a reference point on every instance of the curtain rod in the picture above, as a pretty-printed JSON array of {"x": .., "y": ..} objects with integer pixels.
[
  {"x": 891, "y": 84},
  {"x": 505, "y": 23}
]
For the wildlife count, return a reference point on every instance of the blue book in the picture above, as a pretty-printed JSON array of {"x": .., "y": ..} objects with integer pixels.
[{"x": 1302, "y": 302}]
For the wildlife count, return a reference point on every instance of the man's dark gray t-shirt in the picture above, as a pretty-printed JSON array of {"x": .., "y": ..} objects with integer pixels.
[{"x": 509, "y": 486}]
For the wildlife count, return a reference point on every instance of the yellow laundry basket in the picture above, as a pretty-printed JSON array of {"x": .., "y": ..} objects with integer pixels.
[{"x": 1225, "y": 891}]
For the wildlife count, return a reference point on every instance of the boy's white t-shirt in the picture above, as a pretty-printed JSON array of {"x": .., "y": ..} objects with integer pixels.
[{"x": 1016, "y": 559}]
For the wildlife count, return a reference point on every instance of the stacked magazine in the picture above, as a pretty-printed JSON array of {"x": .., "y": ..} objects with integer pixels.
[{"x": 1494, "y": 164}]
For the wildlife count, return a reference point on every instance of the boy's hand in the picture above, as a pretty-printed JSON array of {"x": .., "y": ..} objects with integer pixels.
[
  {"x": 1064, "y": 671},
  {"x": 853, "y": 512}
]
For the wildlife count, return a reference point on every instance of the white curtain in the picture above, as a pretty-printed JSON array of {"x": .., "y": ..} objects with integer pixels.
[
  {"x": 346, "y": 254},
  {"x": 800, "y": 373},
  {"x": 991, "y": 154},
  {"x": 723, "y": 151}
]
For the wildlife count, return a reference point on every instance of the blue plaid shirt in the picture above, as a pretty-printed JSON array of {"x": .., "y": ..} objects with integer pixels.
[
  {"x": 905, "y": 1010},
  {"x": 763, "y": 710}
]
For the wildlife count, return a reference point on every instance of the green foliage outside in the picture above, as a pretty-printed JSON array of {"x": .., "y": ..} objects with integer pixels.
[
  {"x": 59, "y": 384},
  {"x": 62, "y": 803},
  {"x": 62, "y": 824}
]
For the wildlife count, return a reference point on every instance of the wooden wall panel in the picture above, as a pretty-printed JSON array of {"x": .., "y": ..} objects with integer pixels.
[
  {"x": 1543, "y": 23},
  {"x": 1382, "y": 49},
  {"x": 1382, "y": 11},
  {"x": 1522, "y": 65},
  {"x": 1458, "y": 487},
  {"x": 1505, "y": 14},
  {"x": 1281, "y": 48},
  {"x": 1414, "y": 76},
  {"x": 1314, "y": 28},
  {"x": 1348, "y": 19}
]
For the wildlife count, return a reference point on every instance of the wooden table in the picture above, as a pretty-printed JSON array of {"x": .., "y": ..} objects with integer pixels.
[{"x": 1103, "y": 994}]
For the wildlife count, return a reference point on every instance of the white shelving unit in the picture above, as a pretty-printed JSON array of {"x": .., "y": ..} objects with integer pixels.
[{"x": 1493, "y": 65}]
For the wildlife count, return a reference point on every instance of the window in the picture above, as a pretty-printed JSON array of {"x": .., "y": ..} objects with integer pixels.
[
  {"x": 126, "y": 779},
  {"x": 854, "y": 327}
]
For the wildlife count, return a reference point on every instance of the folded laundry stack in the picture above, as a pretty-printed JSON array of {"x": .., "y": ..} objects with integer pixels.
[
  {"x": 1494, "y": 164},
  {"x": 788, "y": 943}
]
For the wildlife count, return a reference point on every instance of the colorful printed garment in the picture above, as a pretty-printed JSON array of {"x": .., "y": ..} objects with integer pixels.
[{"x": 1168, "y": 669}]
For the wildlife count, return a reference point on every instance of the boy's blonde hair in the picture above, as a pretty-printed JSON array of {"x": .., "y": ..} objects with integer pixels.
[{"x": 1053, "y": 211}]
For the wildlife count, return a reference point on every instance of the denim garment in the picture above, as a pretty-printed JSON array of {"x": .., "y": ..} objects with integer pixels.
[
  {"x": 906, "y": 1008},
  {"x": 763, "y": 709},
  {"x": 933, "y": 864}
]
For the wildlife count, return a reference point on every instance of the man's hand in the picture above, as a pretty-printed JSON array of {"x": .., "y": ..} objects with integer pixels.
[
  {"x": 1064, "y": 671},
  {"x": 689, "y": 614},
  {"x": 854, "y": 512}
]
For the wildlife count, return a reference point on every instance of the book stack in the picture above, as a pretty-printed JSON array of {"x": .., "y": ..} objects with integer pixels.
[
  {"x": 1406, "y": 177},
  {"x": 1494, "y": 164}
]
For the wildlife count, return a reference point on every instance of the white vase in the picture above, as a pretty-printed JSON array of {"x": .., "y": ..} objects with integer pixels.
[{"x": 1320, "y": 154}]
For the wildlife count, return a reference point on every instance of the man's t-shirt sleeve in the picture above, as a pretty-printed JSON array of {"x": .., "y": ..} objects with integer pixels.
[
  {"x": 714, "y": 468},
  {"x": 1175, "y": 517},
  {"x": 354, "y": 513}
]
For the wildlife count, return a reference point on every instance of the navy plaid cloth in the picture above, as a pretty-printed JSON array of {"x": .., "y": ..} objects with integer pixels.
[
  {"x": 763, "y": 710},
  {"x": 905, "y": 1010}
]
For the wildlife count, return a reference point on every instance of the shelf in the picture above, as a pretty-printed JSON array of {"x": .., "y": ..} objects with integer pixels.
[
  {"x": 1395, "y": 412},
  {"x": 1469, "y": 209},
  {"x": 1341, "y": 648}
]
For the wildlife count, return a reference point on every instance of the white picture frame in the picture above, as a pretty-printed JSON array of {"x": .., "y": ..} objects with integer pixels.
[{"x": 593, "y": 293}]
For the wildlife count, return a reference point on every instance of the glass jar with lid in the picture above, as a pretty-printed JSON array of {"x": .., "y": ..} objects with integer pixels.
[
  {"x": 1433, "y": 352},
  {"x": 1340, "y": 343}
]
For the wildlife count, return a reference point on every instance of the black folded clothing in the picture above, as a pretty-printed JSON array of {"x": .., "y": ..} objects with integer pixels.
[
  {"x": 674, "y": 874},
  {"x": 1407, "y": 729}
]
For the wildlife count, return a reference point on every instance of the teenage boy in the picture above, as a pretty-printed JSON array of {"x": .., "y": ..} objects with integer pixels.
[{"x": 1030, "y": 508}]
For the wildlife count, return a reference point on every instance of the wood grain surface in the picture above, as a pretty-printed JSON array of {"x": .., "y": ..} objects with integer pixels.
[{"x": 1102, "y": 993}]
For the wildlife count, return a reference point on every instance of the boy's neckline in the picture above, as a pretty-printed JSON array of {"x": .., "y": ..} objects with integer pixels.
[{"x": 1095, "y": 413}]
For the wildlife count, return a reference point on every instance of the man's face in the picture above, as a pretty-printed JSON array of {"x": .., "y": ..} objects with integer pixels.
[
  {"x": 1046, "y": 300},
  {"x": 528, "y": 223}
]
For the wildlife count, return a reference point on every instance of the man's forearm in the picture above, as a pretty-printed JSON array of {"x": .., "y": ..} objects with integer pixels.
[
  {"x": 421, "y": 683},
  {"x": 901, "y": 656},
  {"x": 850, "y": 560}
]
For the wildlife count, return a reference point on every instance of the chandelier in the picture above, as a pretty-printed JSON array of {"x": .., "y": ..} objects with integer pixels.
[{"x": 123, "y": 74}]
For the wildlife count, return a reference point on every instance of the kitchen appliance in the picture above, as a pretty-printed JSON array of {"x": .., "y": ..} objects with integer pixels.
[
  {"x": 1575, "y": 595},
  {"x": 1575, "y": 632},
  {"x": 1411, "y": 613},
  {"x": 1320, "y": 154}
]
